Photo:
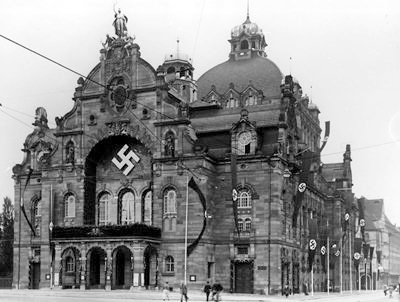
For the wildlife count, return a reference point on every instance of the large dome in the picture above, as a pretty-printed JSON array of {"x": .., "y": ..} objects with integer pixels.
[{"x": 258, "y": 71}]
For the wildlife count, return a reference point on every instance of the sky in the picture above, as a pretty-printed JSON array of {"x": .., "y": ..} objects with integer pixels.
[{"x": 345, "y": 54}]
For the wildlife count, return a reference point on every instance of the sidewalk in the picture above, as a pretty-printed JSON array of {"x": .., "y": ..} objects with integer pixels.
[{"x": 194, "y": 296}]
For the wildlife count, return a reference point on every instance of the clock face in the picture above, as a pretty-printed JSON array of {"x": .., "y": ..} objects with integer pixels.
[{"x": 244, "y": 138}]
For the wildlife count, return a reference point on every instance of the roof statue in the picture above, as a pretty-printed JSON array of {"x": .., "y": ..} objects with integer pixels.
[{"x": 120, "y": 23}]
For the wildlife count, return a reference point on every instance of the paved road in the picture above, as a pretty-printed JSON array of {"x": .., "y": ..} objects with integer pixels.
[{"x": 152, "y": 296}]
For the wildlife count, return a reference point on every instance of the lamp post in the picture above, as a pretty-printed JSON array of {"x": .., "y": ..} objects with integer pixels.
[{"x": 186, "y": 226}]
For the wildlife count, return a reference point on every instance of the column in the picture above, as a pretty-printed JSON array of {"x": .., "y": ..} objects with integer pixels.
[
  {"x": 57, "y": 267},
  {"x": 108, "y": 266},
  {"x": 138, "y": 267},
  {"x": 82, "y": 268}
]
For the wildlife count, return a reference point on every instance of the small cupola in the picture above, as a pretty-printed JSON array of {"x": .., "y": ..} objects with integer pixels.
[{"x": 247, "y": 40}]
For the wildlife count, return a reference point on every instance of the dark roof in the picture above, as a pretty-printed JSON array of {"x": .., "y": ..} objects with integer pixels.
[
  {"x": 221, "y": 120},
  {"x": 260, "y": 72}
]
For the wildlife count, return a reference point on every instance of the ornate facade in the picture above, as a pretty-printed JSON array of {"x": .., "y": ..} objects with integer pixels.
[{"x": 145, "y": 152}]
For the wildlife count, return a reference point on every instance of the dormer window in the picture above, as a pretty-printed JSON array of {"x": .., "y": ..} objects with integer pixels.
[
  {"x": 250, "y": 100},
  {"x": 232, "y": 102}
]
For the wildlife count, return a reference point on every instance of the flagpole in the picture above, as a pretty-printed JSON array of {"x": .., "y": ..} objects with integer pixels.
[
  {"x": 312, "y": 279},
  {"x": 186, "y": 225},
  {"x": 328, "y": 245},
  {"x": 341, "y": 265},
  {"x": 350, "y": 258}
]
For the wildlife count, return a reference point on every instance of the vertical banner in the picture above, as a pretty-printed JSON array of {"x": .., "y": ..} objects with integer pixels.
[
  {"x": 312, "y": 242},
  {"x": 378, "y": 256},
  {"x": 357, "y": 252},
  {"x": 361, "y": 221},
  {"x": 234, "y": 192},
  {"x": 365, "y": 250},
  {"x": 371, "y": 252},
  {"x": 306, "y": 159},
  {"x": 323, "y": 247}
]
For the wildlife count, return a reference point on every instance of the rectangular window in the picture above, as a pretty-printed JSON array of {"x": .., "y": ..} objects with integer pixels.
[{"x": 242, "y": 250}]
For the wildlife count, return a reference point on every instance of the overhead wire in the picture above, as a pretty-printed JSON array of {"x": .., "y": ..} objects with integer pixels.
[{"x": 142, "y": 104}]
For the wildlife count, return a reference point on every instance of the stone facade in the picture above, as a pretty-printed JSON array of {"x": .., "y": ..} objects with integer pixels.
[{"x": 144, "y": 153}]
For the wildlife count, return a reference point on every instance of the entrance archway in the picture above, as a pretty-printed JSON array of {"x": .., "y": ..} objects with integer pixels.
[
  {"x": 96, "y": 268},
  {"x": 150, "y": 267},
  {"x": 122, "y": 268}
]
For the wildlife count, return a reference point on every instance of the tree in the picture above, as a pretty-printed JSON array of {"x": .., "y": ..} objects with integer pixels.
[{"x": 6, "y": 237}]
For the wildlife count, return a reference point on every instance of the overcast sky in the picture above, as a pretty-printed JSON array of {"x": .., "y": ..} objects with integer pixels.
[{"x": 347, "y": 51}]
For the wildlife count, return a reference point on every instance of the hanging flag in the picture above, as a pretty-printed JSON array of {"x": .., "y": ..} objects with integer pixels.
[
  {"x": 371, "y": 252},
  {"x": 326, "y": 136},
  {"x": 192, "y": 184},
  {"x": 346, "y": 220},
  {"x": 361, "y": 222},
  {"x": 22, "y": 202},
  {"x": 306, "y": 158},
  {"x": 234, "y": 191},
  {"x": 378, "y": 256},
  {"x": 357, "y": 252},
  {"x": 312, "y": 242},
  {"x": 323, "y": 246},
  {"x": 365, "y": 250}
]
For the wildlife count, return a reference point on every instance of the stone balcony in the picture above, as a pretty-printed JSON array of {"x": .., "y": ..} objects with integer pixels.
[{"x": 93, "y": 231}]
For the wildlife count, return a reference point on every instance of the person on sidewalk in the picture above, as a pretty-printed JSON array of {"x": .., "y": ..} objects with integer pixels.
[
  {"x": 286, "y": 290},
  {"x": 216, "y": 292},
  {"x": 207, "y": 290},
  {"x": 184, "y": 292},
  {"x": 165, "y": 292}
]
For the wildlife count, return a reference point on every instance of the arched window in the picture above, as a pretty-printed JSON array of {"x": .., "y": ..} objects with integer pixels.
[
  {"x": 147, "y": 207},
  {"x": 170, "y": 202},
  {"x": 247, "y": 224},
  {"x": 104, "y": 208},
  {"x": 130, "y": 210},
  {"x": 69, "y": 264},
  {"x": 169, "y": 146},
  {"x": 169, "y": 264},
  {"x": 70, "y": 153},
  {"x": 244, "y": 200},
  {"x": 69, "y": 204},
  {"x": 240, "y": 225},
  {"x": 37, "y": 209},
  {"x": 244, "y": 45},
  {"x": 171, "y": 70}
]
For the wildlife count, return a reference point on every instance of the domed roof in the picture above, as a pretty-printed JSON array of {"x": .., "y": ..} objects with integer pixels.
[
  {"x": 258, "y": 71},
  {"x": 246, "y": 27}
]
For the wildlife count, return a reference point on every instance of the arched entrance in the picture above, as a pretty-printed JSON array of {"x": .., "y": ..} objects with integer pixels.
[
  {"x": 96, "y": 268},
  {"x": 150, "y": 267},
  {"x": 70, "y": 267},
  {"x": 122, "y": 268}
]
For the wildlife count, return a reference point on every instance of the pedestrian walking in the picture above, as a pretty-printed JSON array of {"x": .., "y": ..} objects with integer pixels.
[
  {"x": 165, "y": 292},
  {"x": 184, "y": 292},
  {"x": 286, "y": 290},
  {"x": 207, "y": 290},
  {"x": 216, "y": 291}
]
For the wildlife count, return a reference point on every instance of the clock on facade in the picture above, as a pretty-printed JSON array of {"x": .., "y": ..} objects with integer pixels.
[{"x": 244, "y": 138}]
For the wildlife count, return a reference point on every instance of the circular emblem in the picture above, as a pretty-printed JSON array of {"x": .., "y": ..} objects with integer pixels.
[
  {"x": 234, "y": 194},
  {"x": 323, "y": 250},
  {"x": 357, "y": 256},
  {"x": 362, "y": 222},
  {"x": 119, "y": 95},
  {"x": 313, "y": 244},
  {"x": 334, "y": 245},
  {"x": 302, "y": 187},
  {"x": 337, "y": 254},
  {"x": 346, "y": 216}
]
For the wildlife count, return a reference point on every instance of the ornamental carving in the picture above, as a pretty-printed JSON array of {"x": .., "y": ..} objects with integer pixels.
[{"x": 118, "y": 127}]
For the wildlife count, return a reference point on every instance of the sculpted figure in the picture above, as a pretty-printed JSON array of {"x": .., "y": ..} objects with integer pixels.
[{"x": 120, "y": 23}]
